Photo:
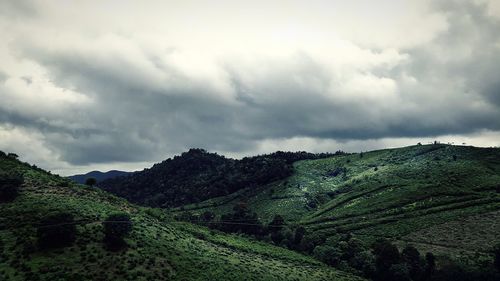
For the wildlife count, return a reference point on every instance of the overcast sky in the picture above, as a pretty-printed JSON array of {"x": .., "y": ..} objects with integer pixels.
[{"x": 105, "y": 85}]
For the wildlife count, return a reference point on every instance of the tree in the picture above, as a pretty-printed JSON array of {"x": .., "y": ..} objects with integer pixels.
[
  {"x": 277, "y": 237},
  {"x": 116, "y": 227},
  {"x": 13, "y": 155},
  {"x": 277, "y": 223},
  {"x": 399, "y": 272},
  {"x": 299, "y": 234},
  {"x": 411, "y": 256},
  {"x": 353, "y": 247},
  {"x": 365, "y": 262},
  {"x": 56, "y": 231},
  {"x": 90, "y": 182},
  {"x": 430, "y": 261},
  {"x": 386, "y": 255},
  {"x": 9, "y": 186}
]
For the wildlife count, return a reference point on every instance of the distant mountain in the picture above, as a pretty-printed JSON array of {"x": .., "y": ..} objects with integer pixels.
[{"x": 98, "y": 175}]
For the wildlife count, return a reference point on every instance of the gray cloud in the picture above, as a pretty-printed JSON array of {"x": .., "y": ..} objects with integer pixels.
[
  {"x": 124, "y": 101},
  {"x": 14, "y": 9}
]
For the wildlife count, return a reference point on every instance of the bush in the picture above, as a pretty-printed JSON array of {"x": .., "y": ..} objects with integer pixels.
[
  {"x": 56, "y": 231},
  {"x": 116, "y": 227},
  {"x": 9, "y": 186},
  {"x": 328, "y": 254}
]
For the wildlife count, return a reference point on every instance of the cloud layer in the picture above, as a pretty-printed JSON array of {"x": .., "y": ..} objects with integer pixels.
[{"x": 103, "y": 83}]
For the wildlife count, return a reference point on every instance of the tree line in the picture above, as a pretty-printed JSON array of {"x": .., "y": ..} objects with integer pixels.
[{"x": 378, "y": 261}]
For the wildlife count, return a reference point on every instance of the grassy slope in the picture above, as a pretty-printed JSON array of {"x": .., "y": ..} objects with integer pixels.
[
  {"x": 393, "y": 193},
  {"x": 160, "y": 249}
]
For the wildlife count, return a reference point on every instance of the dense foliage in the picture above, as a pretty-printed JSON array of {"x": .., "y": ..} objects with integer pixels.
[
  {"x": 383, "y": 261},
  {"x": 197, "y": 175},
  {"x": 116, "y": 227},
  {"x": 242, "y": 221},
  {"x": 9, "y": 186},
  {"x": 56, "y": 231}
]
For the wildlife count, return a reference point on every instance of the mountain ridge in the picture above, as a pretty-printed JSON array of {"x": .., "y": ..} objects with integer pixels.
[{"x": 98, "y": 175}]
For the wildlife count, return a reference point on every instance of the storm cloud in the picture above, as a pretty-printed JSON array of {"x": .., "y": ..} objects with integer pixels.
[{"x": 108, "y": 83}]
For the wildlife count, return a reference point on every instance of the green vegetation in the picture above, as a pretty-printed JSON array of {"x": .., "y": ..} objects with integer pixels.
[
  {"x": 439, "y": 198},
  {"x": 197, "y": 175},
  {"x": 116, "y": 227},
  {"x": 56, "y": 230},
  {"x": 159, "y": 248},
  {"x": 9, "y": 186},
  {"x": 373, "y": 215}
]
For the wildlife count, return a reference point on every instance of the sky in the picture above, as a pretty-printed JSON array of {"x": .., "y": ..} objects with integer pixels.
[{"x": 101, "y": 85}]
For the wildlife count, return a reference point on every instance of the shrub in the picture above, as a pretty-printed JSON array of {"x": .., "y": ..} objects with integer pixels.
[
  {"x": 9, "y": 186},
  {"x": 328, "y": 254},
  {"x": 56, "y": 231},
  {"x": 116, "y": 227}
]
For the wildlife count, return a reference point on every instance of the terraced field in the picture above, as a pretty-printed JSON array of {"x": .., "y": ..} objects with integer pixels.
[{"x": 413, "y": 194}]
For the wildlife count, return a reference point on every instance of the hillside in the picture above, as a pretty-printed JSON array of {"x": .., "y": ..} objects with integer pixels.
[
  {"x": 158, "y": 247},
  {"x": 197, "y": 175},
  {"x": 98, "y": 175},
  {"x": 441, "y": 198}
]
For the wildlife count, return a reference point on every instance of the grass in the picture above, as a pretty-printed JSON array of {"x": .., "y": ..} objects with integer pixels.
[
  {"x": 159, "y": 247},
  {"x": 393, "y": 193}
]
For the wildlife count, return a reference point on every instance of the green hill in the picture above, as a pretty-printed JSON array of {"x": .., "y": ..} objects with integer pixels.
[
  {"x": 440, "y": 198},
  {"x": 158, "y": 247},
  {"x": 197, "y": 175}
]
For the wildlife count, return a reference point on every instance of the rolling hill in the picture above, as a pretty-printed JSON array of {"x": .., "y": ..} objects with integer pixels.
[
  {"x": 159, "y": 248},
  {"x": 197, "y": 175},
  {"x": 440, "y": 198}
]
